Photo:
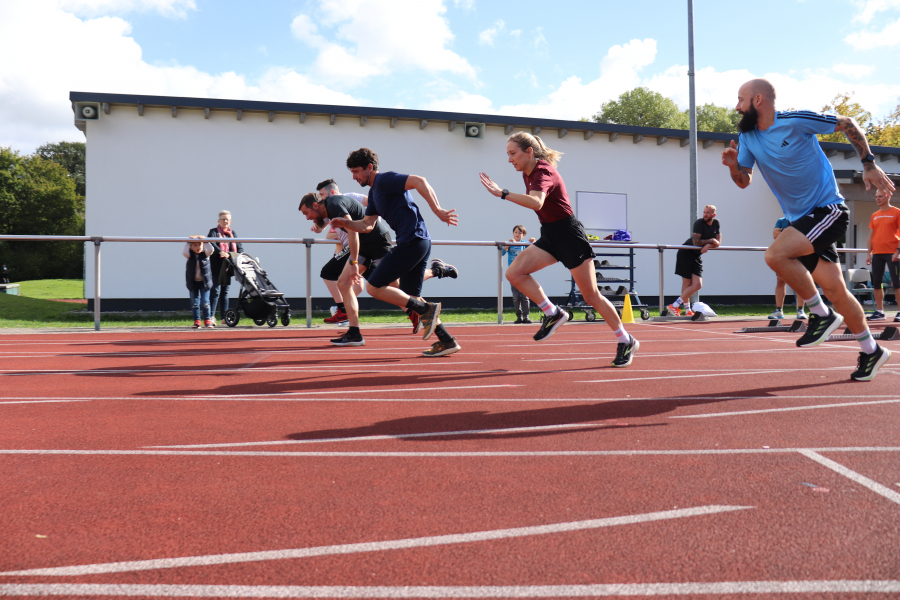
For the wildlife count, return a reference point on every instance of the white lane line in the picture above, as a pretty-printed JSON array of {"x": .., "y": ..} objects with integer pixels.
[
  {"x": 830, "y": 350},
  {"x": 421, "y": 542},
  {"x": 853, "y": 475},
  {"x": 57, "y": 401},
  {"x": 723, "y": 588},
  {"x": 398, "y": 436},
  {"x": 470, "y": 454},
  {"x": 695, "y": 376},
  {"x": 791, "y": 408}
]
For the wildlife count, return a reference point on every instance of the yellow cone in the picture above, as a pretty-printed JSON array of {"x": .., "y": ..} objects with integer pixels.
[{"x": 627, "y": 314}]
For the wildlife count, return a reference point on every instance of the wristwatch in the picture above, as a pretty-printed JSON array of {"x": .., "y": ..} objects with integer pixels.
[
  {"x": 868, "y": 158},
  {"x": 504, "y": 193}
]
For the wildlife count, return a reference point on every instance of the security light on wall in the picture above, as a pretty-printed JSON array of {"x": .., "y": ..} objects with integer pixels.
[
  {"x": 475, "y": 130},
  {"x": 88, "y": 111}
]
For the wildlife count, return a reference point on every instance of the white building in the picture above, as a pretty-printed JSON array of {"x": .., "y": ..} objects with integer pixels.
[{"x": 164, "y": 167}]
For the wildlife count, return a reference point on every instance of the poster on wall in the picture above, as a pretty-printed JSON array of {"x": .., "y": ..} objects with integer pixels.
[{"x": 602, "y": 211}]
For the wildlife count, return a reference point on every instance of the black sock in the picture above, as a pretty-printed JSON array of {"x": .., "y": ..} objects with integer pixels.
[
  {"x": 353, "y": 332},
  {"x": 417, "y": 305},
  {"x": 442, "y": 334},
  {"x": 340, "y": 307}
]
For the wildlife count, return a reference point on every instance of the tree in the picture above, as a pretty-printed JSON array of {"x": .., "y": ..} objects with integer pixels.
[
  {"x": 719, "y": 119},
  {"x": 71, "y": 156},
  {"x": 887, "y": 131},
  {"x": 37, "y": 197},
  {"x": 643, "y": 108},
  {"x": 842, "y": 105}
]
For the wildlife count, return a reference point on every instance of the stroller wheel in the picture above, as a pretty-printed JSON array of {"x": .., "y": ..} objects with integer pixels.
[
  {"x": 286, "y": 319},
  {"x": 272, "y": 320},
  {"x": 259, "y": 322},
  {"x": 231, "y": 317}
]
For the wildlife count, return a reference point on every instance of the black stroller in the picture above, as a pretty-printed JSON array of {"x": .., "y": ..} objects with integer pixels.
[{"x": 259, "y": 298}]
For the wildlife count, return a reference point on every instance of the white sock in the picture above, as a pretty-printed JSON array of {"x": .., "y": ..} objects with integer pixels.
[
  {"x": 816, "y": 306},
  {"x": 678, "y": 302},
  {"x": 548, "y": 307},
  {"x": 622, "y": 336},
  {"x": 866, "y": 341}
]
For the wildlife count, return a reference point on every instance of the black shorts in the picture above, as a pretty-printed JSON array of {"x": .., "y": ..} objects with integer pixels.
[
  {"x": 688, "y": 263},
  {"x": 879, "y": 262},
  {"x": 822, "y": 227},
  {"x": 405, "y": 262},
  {"x": 566, "y": 241},
  {"x": 334, "y": 267}
]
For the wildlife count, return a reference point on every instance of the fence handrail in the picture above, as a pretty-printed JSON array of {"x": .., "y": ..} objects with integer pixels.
[{"x": 97, "y": 240}]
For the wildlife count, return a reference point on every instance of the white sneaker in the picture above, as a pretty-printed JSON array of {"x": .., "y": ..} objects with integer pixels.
[
  {"x": 333, "y": 310},
  {"x": 801, "y": 316},
  {"x": 777, "y": 315},
  {"x": 212, "y": 321}
]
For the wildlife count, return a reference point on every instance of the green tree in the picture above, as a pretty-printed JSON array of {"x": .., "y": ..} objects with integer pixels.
[
  {"x": 38, "y": 197},
  {"x": 843, "y": 104},
  {"x": 887, "y": 131},
  {"x": 71, "y": 156},
  {"x": 644, "y": 108},
  {"x": 719, "y": 119}
]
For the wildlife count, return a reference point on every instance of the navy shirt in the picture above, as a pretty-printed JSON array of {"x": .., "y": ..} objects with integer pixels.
[
  {"x": 374, "y": 244},
  {"x": 389, "y": 199}
]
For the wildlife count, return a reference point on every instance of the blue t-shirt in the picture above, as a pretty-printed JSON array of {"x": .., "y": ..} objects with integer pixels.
[
  {"x": 389, "y": 199},
  {"x": 782, "y": 223},
  {"x": 513, "y": 252},
  {"x": 791, "y": 161}
]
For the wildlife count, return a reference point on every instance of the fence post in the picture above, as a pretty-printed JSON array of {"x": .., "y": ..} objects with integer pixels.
[
  {"x": 97, "y": 241},
  {"x": 308, "y": 243},
  {"x": 499, "y": 283},
  {"x": 661, "y": 298}
]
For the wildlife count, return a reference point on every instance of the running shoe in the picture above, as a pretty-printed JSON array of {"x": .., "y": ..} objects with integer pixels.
[
  {"x": 208, "y": 324},
  {"x": 337, "y": 318},
  {"x": 625, "y": 353},
  {"x": 528, "y": 321},
  {"x": 518, "y": 321},
  {"x": 196, "y": 324},
  {"x": 440, "y": 269},
  {"x": 876, "y": 316},
  {"x": 688, "y": 312},
  {"x": 439, "y": 348},
  {"x": 213, "y": 321},
  {"x": 801, "y": 315},
  {"x": 348, "y": 340},
  {"x": 430, "y": 318},
  {"x": 868, "y": 364},
  {"x": 819, "y": 329},
  {"x": 416, "y": 322},
  {"x": 897, "y": 318},
  {"x": 551, "y": 324},
  {"x": 777, "y": 314},
  {"x": 673, "y": 311}
]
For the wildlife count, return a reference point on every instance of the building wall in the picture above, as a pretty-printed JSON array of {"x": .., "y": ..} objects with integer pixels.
[{"x": 155, "y": 175}]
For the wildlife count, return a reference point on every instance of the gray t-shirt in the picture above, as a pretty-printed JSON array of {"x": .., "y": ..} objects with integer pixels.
[{"x": 374, "y": 244}]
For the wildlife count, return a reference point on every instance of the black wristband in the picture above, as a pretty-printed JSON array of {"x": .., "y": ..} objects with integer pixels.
[
  {"x": 504, "y": 193},
  {"x": 868, "y": 158}
]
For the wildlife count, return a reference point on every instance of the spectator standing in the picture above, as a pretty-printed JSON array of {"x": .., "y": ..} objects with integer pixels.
[
  {"x": 520, "y": 301},
  {"x": 5, "y": 274},
  {"x": 883, "y": 252},
  {"x": 198, "y": 278},
  {"x": 780, "y": 225},
  {"x": 689, "y": 263},
  {"x": 218, "y": 297}
]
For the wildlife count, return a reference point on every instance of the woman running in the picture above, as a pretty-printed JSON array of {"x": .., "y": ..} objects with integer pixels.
[{"x": 562, "y": 240}]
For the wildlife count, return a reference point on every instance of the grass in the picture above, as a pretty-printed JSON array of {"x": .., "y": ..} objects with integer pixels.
[{"x": 35, "y": 308}]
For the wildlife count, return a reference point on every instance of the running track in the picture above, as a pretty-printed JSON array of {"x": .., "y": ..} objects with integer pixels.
[{"x": 257, "y": 463}]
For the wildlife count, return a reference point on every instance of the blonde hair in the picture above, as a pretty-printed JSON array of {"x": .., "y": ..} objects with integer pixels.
[
  {"x": 224, "y": 212},
  {"x": 710, "y": 206},
  {"x": 525, "y": 140}
]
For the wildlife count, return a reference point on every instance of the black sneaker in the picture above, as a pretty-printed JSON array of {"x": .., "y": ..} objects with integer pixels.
[
  {"x": 819, "y": 329},
  {"x": 439, "y": 348},
  {"x": 551, "y": 324},
  {"x": 430, "y": 319},
  {"x": 528, "y": 321},
  {"x": 876, "y": 316},
  {"x": 440, "y": 269},
  {"x": 868, "y": 364},
  {"x": 625, "y": 353},
  {"x": 518, "y": 321},
  {"x": 347, "y": 340}
]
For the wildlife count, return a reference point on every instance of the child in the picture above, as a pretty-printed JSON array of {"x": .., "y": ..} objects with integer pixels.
[
  {"x": 520, "y": 300},
  {"x": 199, "y": 280}
]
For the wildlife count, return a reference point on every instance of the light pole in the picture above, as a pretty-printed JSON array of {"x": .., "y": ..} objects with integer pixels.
[{"x": 693, "y": 126}]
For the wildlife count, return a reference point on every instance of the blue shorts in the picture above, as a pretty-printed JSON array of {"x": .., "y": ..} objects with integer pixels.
[{"x": 406, "y": 262}]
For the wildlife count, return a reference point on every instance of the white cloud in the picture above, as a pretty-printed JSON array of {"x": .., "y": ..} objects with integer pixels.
[
  {"x": 488, "y": 36},
  {"x": 168, "y": 8},
  {"x": 515, "y": 33},
  {"x": 869, "y": 8},
  {"x": 466, "y": 5},
  {"x": 35, "y": 85},
  {"x": 369, "y": 41},
  {"x": 868, "y": 40},
  {"x": 462, "y": 102},
  {"x": 853, "y": 71},
  {"x": 539, "y": 40}
]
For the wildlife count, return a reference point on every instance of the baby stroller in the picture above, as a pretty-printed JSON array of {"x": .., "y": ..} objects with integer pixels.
[{"x": 259, "y": 299}]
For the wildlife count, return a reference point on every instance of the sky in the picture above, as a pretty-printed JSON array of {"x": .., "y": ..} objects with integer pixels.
[{"x": 525, "y": 58}]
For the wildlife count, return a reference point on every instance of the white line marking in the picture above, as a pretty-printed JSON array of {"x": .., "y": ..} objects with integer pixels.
[
  {"x": 397, "y": 436},
  {"x": 853, "y": 475},
  {"x": 39, "y": 401},
  {"x": 723, "y": 588},
  {"x": 421, "y": 542},
  {"x": 791, "y": 408}
]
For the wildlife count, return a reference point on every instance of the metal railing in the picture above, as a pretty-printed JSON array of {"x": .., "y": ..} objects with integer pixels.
[{"x": 309, "y": 242}]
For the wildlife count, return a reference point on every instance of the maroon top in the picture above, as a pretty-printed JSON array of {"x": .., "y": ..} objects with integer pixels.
[{"x": 544, "y": 178}]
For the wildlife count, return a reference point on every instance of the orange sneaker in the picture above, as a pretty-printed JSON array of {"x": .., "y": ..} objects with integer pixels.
[
  {"x": 196, "y": 324},
  {"x": 673, "y": 311},
  {"x": 688, "y": 312}
]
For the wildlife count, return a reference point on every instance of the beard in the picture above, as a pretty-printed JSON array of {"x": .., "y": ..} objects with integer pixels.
[
  {"x": 320, "y": 222},
  {"x": 748, "y": 120}
]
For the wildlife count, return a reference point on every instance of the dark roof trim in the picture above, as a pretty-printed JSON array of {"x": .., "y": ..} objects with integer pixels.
[{"x": 416, "y": 115}]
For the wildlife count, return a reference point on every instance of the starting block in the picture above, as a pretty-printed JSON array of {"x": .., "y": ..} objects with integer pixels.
[
  {"x": 698, "y": 316},
  {"x": 775, "y": 325},
  {"x": 888, "y": 334}
]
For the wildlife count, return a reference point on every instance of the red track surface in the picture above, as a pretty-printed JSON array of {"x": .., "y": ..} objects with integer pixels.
[{"x": 122, "y": 447}]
